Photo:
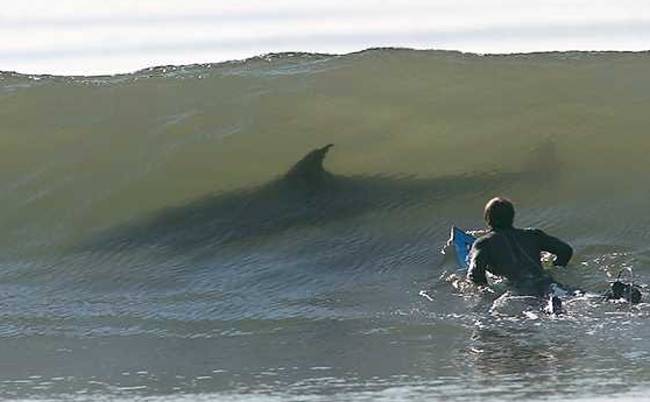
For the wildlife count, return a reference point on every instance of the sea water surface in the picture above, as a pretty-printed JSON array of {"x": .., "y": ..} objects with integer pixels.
[{"x": 153, "y": 248}]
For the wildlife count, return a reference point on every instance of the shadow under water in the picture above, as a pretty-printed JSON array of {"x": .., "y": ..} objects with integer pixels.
[{"x": 306, "y": 195}]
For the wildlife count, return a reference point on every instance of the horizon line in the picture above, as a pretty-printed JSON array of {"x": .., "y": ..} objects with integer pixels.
[{"x": 323, "y": 54}]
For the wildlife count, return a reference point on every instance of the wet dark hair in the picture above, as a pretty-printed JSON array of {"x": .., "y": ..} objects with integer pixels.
[{"x": 499, "y": 213}]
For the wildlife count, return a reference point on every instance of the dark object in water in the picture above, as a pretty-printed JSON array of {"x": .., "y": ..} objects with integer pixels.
[
  {"x": 619, "y": 289},
  {"x": 627, "y": 291},
  {"x": 306, "y": 195},
  {"x": 554, "y": 305}
]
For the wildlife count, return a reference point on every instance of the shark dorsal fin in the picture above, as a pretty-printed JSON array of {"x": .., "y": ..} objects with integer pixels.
[{"x": 310, "y": 168}]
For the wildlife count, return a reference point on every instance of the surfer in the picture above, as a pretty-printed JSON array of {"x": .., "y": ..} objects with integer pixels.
[{"x": 515, "y": 253}]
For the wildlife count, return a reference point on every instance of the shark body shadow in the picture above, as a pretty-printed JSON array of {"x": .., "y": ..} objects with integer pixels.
[{"x": 307, "y": 194}]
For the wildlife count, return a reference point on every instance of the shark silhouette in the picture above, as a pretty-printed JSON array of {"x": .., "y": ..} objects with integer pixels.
[{"x": 307, "y": 194}]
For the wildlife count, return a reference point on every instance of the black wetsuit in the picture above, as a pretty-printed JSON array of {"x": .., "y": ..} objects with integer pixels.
[{"x": 515, "y": 255}]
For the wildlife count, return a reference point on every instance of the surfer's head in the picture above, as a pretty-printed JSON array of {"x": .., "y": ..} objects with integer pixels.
[{"x": 499, "y": 213}]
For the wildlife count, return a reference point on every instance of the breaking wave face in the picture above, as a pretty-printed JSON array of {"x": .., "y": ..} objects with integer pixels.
[{"x": 154, "y": 211}]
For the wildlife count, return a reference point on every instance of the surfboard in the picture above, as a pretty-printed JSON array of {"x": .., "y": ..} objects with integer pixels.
[{"x": 462, "y": 243}]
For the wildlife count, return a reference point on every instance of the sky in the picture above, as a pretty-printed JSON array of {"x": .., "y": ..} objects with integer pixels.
[{"x": 90, "y": 37}]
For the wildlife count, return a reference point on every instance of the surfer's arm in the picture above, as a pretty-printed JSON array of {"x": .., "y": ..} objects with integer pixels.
[
  {"x": 478, "y": 264},
  {"x": 563, "y": 252}
]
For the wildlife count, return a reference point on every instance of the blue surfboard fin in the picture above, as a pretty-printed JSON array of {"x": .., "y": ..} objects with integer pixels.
[{"x": 462, "y": 243}]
